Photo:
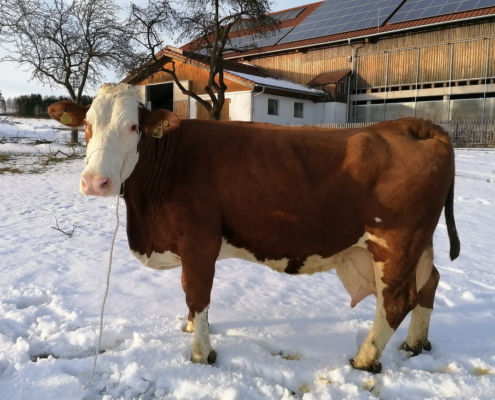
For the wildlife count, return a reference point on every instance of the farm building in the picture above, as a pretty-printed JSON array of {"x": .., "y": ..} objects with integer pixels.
[{"x": 360, "y": 61}]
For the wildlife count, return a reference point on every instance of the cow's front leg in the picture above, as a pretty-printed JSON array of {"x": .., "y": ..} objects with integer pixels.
[
  {"x": 190, "y": 317},
  {"x": 198, "y": 269}
]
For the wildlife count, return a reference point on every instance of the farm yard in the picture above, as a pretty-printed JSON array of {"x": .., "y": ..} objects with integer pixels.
[{"x": 276, "y": 336}]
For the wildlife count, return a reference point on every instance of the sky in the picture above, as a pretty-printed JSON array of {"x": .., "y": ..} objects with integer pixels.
[{"x": 16, "y": 81}]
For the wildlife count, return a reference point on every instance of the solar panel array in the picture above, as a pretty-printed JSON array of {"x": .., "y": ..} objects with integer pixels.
[
  {"x": 416, "y": 9},
  {"x": 336, "y": 16}
]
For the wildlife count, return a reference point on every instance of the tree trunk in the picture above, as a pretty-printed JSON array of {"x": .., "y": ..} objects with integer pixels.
[{"x": 74, "y": 136}]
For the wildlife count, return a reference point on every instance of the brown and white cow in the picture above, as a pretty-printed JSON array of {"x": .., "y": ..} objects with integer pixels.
[{"x": 364, "y": 201}]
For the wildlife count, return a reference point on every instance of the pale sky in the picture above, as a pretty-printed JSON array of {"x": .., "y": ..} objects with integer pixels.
[{"x": 15, "y": 82}]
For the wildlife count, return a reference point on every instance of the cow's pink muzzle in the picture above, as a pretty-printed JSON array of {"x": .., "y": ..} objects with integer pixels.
[{"x": 96, "y": 185}]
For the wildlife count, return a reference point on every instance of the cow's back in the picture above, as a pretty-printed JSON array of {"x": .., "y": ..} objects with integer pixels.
[{"x": 315, "y": 188}]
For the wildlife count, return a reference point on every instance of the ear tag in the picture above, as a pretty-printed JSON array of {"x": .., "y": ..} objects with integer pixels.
[
  {"x": 158, "y": 132},
  {"x": 66, "y": 118}
]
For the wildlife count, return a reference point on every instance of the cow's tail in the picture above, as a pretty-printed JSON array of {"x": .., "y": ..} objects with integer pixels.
[{"x": 455, "y": 244}]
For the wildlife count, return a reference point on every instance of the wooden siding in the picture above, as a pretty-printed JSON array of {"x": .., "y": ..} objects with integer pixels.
[
  {"x": 181, "y": 108},
  {"x": 198, "y": 79},
  {"x": 202, "y": 113},
  {"x": 468, "y": 62}
]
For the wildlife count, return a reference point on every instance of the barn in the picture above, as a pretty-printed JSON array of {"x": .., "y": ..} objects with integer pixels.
[{"x": 359, "y": 61}]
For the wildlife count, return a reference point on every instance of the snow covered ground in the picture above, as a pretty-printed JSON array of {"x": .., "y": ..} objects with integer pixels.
[{"x": 277, "y": 336}]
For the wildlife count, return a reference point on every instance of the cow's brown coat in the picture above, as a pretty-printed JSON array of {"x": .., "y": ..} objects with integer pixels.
[{"x": 292, "y": 193}]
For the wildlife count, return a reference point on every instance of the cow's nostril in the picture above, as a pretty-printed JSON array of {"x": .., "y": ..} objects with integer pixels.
[{"x": 105, "y": 184}]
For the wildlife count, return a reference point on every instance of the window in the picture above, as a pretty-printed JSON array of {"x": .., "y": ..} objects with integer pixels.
[
  {"x": 342, "y": 87},
  {"x": 272, "y": 107},
  {"x": 298, "y": 110}
]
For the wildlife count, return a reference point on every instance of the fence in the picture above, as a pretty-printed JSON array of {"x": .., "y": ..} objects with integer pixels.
[{"x": 462, "y": 133}]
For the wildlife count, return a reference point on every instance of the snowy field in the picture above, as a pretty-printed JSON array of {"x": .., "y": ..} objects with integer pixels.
[{"x": 276, "y": 336}]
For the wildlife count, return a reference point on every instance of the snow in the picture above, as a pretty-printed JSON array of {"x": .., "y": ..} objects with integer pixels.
[
  {"x": 276, "y": 336},
  {"x": 277, "y": 83}
]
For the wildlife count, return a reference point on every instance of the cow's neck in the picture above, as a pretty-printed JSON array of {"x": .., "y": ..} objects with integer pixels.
[{"x": 153, "y": 175}]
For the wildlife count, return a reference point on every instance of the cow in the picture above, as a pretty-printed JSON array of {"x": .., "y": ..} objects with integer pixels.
[{"x": 301, "y": 200}]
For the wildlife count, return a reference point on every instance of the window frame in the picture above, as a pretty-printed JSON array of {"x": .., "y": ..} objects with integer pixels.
[
  {"x": 302, "y": 109},
  {"x": 277, "y": 107}
]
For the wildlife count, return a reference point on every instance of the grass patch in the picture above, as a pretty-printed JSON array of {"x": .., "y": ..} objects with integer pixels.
[
  {"x": 11, "y": 170},
  {"x": 5, "y": 157}
]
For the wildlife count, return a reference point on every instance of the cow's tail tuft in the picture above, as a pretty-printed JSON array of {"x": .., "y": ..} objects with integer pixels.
[{"x": 455, "y": 244}]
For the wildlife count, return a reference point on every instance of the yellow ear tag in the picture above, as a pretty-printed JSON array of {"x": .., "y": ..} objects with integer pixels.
[
  {"x": 66, "y": 118},
  {"x": 158, "y": 132}
]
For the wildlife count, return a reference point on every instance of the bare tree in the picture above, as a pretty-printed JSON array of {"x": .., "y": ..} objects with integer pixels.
[
  {"x": 3, "y": 104},
  {"x": 65, "y": 44},
  {"x": 210, "y": 26}
]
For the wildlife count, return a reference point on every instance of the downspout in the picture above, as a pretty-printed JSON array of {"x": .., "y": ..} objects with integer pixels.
[
  {"x": 349, "y": 80},
  {"x": 252, "y": 101},
  {"x": 354, "y": 73}
]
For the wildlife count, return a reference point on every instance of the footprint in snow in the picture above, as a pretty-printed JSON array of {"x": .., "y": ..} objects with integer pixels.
[{"x": 26, "y": 301}]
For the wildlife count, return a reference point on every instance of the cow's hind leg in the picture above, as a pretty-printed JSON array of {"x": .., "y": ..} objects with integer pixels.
[
  {"x": 198, "y": 269},
  {"x": 417, "y": 337},
  {"x": 393, "y": 302}
]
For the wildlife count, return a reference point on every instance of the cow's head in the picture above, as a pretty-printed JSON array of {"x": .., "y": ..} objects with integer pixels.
[{"x": 114, "y": 124}]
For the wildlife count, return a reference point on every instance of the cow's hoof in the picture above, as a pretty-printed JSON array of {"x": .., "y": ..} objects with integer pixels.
[
  {"x": 189, "y": 328},
  {"x": 212, "y": 357},
  {"x": 417, "y": 350},
  {"x": 198, "y": 359},
  {"x": 375, "y": 367}
]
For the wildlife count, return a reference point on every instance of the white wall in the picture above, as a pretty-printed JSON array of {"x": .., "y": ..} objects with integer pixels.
[
  {"x": 239, "y": 109},
  {"x": 286, "y": 110},
  {"x": 314, "y": 113},
  {"x": 330, "y": 113}
]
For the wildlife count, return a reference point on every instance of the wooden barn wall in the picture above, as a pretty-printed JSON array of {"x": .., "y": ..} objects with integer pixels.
[
  {"x": 198, "y": 78},
  {"x": 375, "y": 68}
]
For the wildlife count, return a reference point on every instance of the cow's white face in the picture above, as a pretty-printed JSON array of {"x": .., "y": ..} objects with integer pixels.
[{"x": 112, "y": 134}]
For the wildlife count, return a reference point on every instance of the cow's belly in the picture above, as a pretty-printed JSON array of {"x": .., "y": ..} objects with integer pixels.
[{"x": 354, "y": 265}]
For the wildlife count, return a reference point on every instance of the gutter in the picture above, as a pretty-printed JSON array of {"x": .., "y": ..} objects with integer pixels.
[{"x": 363, "y": 36}]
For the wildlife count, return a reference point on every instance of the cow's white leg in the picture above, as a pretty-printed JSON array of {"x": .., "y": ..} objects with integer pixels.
[
  {"x": 202, "y": 351},
  {"x": 198, "y": 254},
  {"x": 371, "y": 350},
  {"x": 417, "y": 337}
]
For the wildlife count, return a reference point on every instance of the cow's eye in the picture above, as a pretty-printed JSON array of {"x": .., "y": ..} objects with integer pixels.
[{"x": 134, "y": 128}]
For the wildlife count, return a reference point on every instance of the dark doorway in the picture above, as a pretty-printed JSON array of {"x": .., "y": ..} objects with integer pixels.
[{"x": 161, "y": 96}]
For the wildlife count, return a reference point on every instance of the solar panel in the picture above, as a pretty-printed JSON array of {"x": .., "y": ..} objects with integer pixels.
[
  {"x": 337, "y": 16},
  {"x": 416, "y": 9},
  {"x": 259, "y": 40},
  {"x": 287, "y": 15}
]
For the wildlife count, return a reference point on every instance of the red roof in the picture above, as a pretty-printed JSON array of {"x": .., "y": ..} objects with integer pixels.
[{"x": 326, "y": 78}]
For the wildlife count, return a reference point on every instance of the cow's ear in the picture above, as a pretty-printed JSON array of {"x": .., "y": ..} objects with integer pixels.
[
  {"x": 68, "y": 113},
  {"x": 158, "y": 122}
]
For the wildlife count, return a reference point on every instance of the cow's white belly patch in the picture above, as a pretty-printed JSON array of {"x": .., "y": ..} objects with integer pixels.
[
  {"x": 354, "y": 265},
  {"x": 167, "y": 260}
]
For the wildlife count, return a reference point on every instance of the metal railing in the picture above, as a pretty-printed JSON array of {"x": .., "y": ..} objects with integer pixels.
[{"x": 462, "y": 133}]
